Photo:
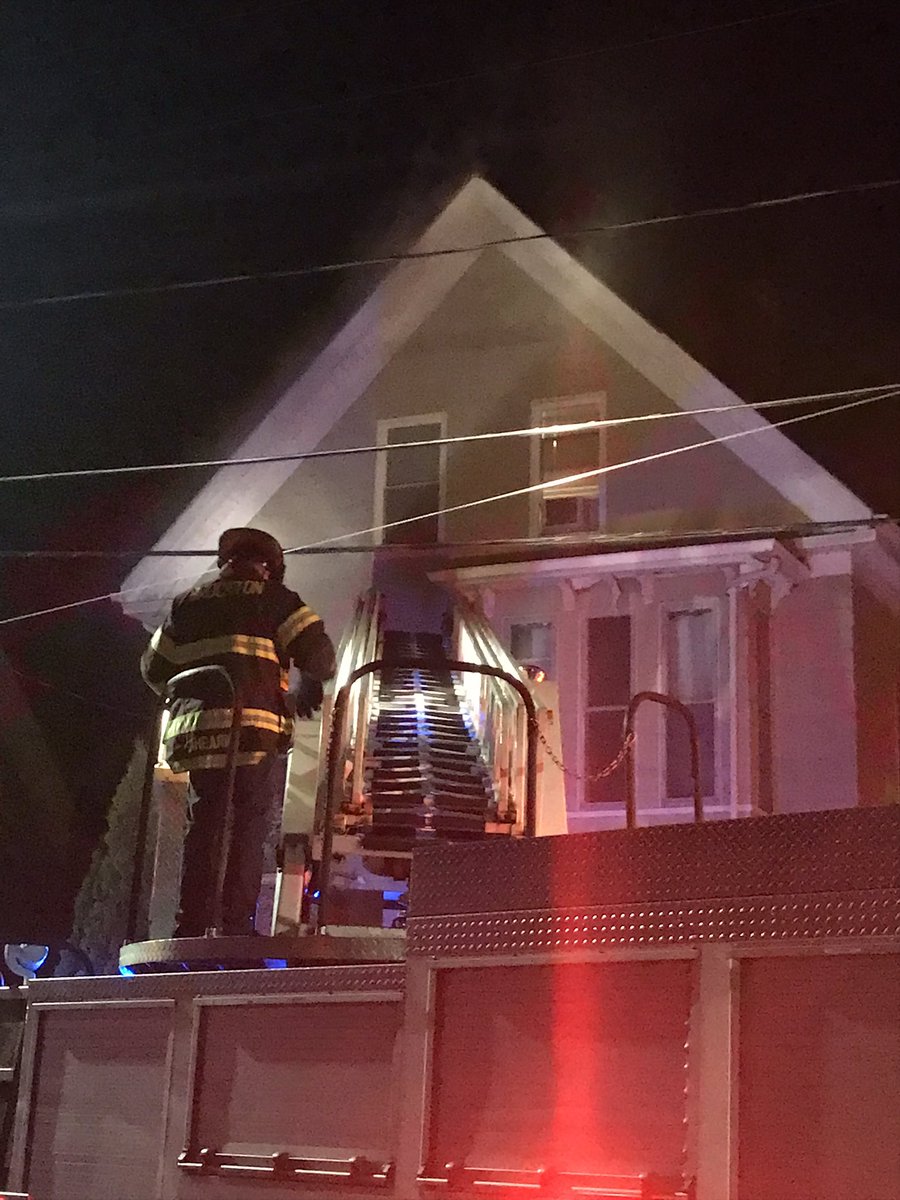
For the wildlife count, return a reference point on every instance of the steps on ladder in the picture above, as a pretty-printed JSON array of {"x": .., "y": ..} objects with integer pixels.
[{"x": 425, "y": 774}]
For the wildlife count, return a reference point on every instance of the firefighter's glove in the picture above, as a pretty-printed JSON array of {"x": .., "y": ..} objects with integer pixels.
[{"x": 308, "y": 697}]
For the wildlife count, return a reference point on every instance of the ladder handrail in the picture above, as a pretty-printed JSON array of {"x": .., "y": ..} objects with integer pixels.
[
  {"x": 360, "y": 644},
  {"x": 497, "y": 715}
]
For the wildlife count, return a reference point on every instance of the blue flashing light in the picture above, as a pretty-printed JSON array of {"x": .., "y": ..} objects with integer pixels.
[
  {"x": 275, "y": 964},
  {"x": 125, "y": 971},
  {"x": 315, "y": 895},
  {"x": 392, "y": 895}
]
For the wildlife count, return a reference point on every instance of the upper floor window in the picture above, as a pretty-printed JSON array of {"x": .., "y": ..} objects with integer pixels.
[
  {"x": 410, "y": 479},
  {"x": 575, "y": 506}
]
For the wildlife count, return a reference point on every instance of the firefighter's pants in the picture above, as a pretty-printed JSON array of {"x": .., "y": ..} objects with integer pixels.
[{"x": 252, "y": 801}]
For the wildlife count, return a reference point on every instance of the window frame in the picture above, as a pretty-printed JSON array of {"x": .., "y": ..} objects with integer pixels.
[
  {"x": 383, "y": 428},
  {"x": 560, "y": 410},
  {"x": 554, "y": 638},
  {"x": 584, "y": 803},
  {"x": 649, "y": 671},
  {"x": 718, "y": 605}
]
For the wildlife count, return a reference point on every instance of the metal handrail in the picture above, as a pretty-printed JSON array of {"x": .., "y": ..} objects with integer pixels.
[
  {"x": 223, "y": 836},
  {"x": 336, "y": 741},
  {"x": 370, "y": 645},
  {"x": 360, "y": 644},
  {"x": 140, "y": 840},
  {"x": 628, "y": 736},
  {"x": 498, "y": 716}
]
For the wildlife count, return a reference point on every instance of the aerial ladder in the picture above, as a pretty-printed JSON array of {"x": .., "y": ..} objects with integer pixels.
[{"x": 426, "y": 737}]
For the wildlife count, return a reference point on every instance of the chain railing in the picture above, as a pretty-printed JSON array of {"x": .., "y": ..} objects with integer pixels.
[
  {"x": 625, "y": 754},
  {"x": 588, "y": 776}
]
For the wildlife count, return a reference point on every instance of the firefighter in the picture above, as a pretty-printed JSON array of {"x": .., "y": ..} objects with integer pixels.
[{"x": 248, "y": 622}]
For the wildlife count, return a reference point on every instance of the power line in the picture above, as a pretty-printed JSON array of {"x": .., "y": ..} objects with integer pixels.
[
  {"x": 62, "y": 691},
  {"x": 58, "y": 608},
  {"x": 185, "y": 285},
  {"x": 542, "y": 542},
  {"x": 547, "y": 486},
  {"x": 381, "y": 448}
]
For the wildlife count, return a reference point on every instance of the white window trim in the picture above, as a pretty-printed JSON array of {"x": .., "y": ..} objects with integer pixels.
[
  {"x": 384, "y": 427},
  {"x": 559, "y": 410},
  {"x": 650, "y": 757},
  {"x": 722, "y": 720},
  {"x": 507, "y": 629}
]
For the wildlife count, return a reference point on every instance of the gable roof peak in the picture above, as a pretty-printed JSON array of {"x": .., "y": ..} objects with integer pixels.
[{"x": 406, "y": 297}]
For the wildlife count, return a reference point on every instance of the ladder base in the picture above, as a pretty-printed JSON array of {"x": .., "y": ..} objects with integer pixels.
[{"x": 169, "y": 955}]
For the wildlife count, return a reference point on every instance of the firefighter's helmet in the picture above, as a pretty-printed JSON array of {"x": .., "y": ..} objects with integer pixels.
[{"x": 251, "y": 545}]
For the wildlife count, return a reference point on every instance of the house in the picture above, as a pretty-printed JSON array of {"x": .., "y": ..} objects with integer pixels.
[{"x": 740, "y": 576}]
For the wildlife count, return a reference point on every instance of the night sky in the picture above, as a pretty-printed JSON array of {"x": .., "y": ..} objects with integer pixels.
[{"x": 152, "y": 142}]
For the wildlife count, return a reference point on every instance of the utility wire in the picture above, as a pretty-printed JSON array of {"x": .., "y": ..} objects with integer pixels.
[
  {"x": 381, "y": 448},
  {"x": 540, "y": 487},
  {"x": 58, "y": 608},
  {"x": 541, "y": 542},
  {"x": 185, "y": 285},
  {"x": 63, "y": 691}
]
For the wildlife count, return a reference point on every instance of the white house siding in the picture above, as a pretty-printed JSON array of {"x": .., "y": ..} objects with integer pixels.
[
  {"x": 568, "y": 603},
  {"x": 324, "y": 498},
  {"x": 497, "y": 344},
  {"x": 494, "y": 346},
  {"x": 807, "y": 712},
  {"x": 814, "y": 713},
  {"x": 877, "y": 680},
  {"x": 480, "y": 336},
  {"x": 478, "y": 339}
]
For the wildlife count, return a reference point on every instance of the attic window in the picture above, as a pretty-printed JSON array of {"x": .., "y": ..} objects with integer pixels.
[
  {"x": 574, "y": 506},
  {"x": 410, "y": 479}
]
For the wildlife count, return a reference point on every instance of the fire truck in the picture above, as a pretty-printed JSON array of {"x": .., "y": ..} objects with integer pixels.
[{"x": 454, "y": 997}]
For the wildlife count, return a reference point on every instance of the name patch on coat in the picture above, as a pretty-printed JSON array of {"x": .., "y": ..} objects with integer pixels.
[{"x": 228, "y": 587}]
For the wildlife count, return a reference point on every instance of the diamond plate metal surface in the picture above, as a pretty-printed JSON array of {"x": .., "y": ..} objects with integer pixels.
[
  {"x": 830, "y": 915},
  {"x": 797, "y": 854},
  {"x": 194, "y": 984}
]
